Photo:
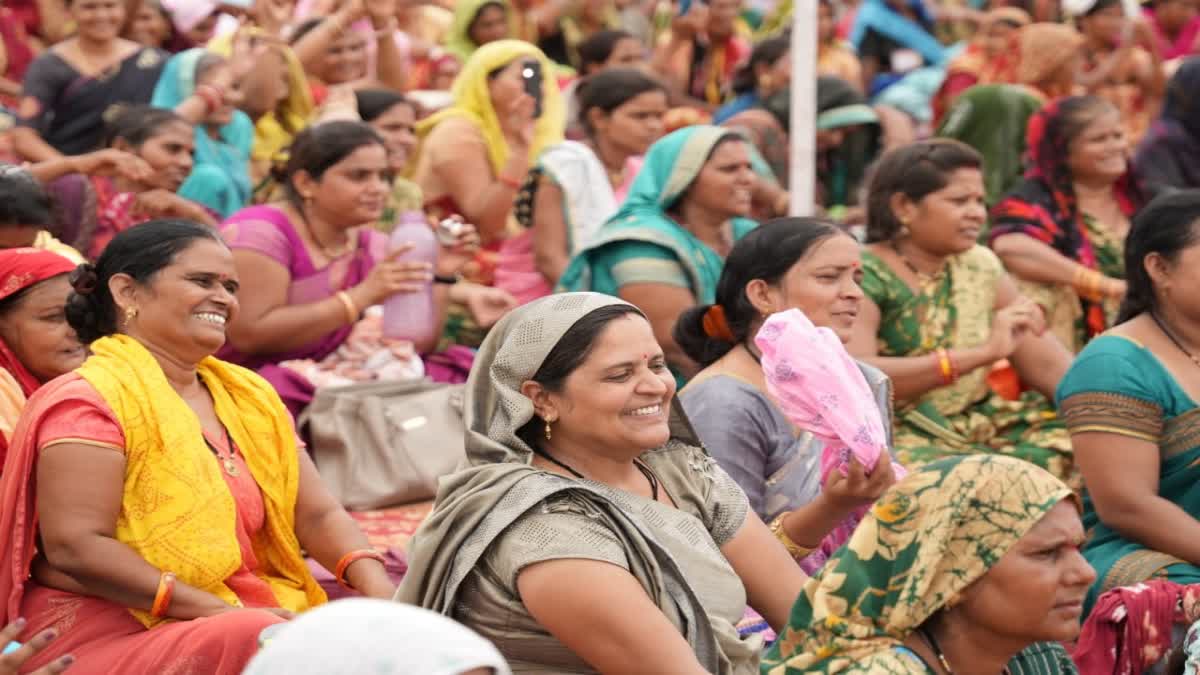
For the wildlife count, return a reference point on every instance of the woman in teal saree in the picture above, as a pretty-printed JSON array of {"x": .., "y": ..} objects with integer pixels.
[
  {"x": 665, "y": 248},
  {"x": 1129, "y": 401}
]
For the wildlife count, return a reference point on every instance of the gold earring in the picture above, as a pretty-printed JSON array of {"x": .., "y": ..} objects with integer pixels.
[
  {"x": 130, "y": 314},
  {"x": 548, "y": 434}
]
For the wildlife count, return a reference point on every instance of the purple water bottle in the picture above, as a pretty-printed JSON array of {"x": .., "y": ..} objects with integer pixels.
[{"x": 409, "y": 316}]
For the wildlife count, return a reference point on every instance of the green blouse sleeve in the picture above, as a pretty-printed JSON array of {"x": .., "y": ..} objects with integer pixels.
[{"x": 877, "y": 278}]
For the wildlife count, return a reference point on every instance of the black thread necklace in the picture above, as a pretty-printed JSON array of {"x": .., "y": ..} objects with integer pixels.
[
  {"x": 1171, "y": 336},
  {"x": 937, "y": 651},
  {"x": 650, "y": 477},
  {"x": 753, "y": 354}
]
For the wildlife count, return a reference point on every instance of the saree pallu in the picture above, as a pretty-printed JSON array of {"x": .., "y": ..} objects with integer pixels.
[
  {"x": 1116, "y": 386},
  {"x": 267, "y": 231},
  {"x": 954, "y": 310},
  {"x": 73, "y": 108},
  {"x": 104, "y": 636}
]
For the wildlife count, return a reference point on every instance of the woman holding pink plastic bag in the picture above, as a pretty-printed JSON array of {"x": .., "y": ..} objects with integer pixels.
[{"x": 783, "y": 457}]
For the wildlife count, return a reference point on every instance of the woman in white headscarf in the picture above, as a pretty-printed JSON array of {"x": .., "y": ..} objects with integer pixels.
[
  {"x": 360, "y": 635},
  {"x": 592, "y": 532}
]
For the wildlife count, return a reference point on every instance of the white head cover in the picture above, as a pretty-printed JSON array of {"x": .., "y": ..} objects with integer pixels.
[
  {"x": 186, "y": 14},
  {"x": 356, "y": 636}
]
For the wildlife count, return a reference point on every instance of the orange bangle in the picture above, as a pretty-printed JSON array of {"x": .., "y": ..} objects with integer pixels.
[
  {"x": 351, "y": 558},
  {"x": 946, "y": 366},
  {"x": 510, "y": 182},
  {"x": 162, "y": 598}
]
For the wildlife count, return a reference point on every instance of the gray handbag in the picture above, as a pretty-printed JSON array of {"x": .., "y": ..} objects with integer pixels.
[{"x": 380, "y": 444}]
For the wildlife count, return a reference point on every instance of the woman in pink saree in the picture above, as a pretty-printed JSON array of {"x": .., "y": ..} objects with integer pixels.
[{"x": 309, "y": 267}]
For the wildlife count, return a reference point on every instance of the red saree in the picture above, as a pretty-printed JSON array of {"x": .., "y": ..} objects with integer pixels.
[{"x": 102, "y": 635}]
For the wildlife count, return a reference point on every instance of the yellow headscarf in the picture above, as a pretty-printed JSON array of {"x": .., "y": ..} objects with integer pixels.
[
  {"x": 472, "y": 100},
  {"x": 274, "y": 131},
  {"x": 177, "y": 511},
  {"x": 459, "y": 42}
]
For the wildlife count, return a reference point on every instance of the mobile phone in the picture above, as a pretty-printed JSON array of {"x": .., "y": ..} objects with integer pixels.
[
  {"x": 531, "y": 74},
  {"x": 447, "y": 231}
]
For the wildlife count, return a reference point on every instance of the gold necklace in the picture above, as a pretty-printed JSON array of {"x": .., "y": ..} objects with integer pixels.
[{"x": 923, "y": 279}]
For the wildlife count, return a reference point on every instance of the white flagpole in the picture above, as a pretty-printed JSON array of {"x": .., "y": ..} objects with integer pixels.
[{"x": 803, "y": 132}]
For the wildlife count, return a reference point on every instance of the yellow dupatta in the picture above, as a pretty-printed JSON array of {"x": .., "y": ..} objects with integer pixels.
[
  {"x": 275, "y": 130},
  {"x": 473, "y": 100},
  {"x": 177, "y": 511}
]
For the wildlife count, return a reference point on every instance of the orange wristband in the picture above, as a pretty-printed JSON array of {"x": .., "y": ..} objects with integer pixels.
[
  {"x": 162, "y": 599},
  {"x": 946, "y": 366},
  {"x": 349, "y": 559}
]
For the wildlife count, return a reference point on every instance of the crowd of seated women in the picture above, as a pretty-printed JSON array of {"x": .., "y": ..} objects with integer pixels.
[{"x": 196, "y": 208}]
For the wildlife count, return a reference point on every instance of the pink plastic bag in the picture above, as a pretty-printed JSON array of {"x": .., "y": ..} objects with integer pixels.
[{"x": 820, "y": 389}]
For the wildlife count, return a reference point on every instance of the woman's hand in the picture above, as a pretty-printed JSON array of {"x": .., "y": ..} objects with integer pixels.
[
  {"x": 273, "y": 15},
  {"x": 688, "y": 26},
  {"x": 1115, "y": 288},
  {"x": 10, "y": 664},
  {"x": 1011, "y": 324},
  {"x": 518, "y": 124},
  {"x": 163, "y": 204},
  {"x": 114, "y": 162},
  {"x": 856, "y": 488},
  {"x": 391, "y": 276},
  {"x": 487, "y": 305},
  {"x": 454, "y": 257},
  {"x": 381, "y": 12}
]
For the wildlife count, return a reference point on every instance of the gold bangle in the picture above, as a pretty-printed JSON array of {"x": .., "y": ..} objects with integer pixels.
[
  {"x": 348, "y": 304},
  {"x": 795, "y": 550}
]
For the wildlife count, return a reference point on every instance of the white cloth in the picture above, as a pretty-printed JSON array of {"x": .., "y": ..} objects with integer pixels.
[
  {"x": 588, "y": 197},
  {"x": 360, "y": 635},
  {"x": 186, "y": 14}
]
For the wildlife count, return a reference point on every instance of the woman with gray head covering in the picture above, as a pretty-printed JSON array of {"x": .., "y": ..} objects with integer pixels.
[
  {"x": 592, "y": 532},
  {"x": 360, "y": 635}
]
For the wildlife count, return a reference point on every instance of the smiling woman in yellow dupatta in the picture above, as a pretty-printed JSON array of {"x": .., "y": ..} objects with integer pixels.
[
  {"x": 157, "y": 497},
  {"x": 475, "y": 155}
]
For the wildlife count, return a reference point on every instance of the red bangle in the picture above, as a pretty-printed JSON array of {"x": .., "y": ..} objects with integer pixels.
[
  {"x": 349, "y": 559},
  {"x": 510, "y": 182},
  {"x": 162, "y": 598}
]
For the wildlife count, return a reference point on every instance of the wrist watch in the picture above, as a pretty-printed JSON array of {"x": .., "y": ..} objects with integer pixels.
[{"x": 448, "y": 279}]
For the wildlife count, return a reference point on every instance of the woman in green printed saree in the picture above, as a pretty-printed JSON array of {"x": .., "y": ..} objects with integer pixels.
[
  {"x": 1130, "y": 403},
  {"x": 970, "y": 563},
  {"x": 665, "y": 248},
  {"x": 941, "y": 312}
]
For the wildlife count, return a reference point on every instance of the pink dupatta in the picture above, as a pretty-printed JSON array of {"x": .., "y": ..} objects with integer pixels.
[{"x": 820, "y": 389}]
